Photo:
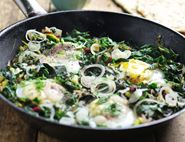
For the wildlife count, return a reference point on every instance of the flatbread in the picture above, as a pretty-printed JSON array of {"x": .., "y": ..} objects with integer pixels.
[
  {"x": 129, "y": 6},
  {"x": 167, "y": 12}
]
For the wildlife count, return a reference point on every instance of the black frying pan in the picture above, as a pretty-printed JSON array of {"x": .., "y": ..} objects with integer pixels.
[{"x": 118, "y": 26}]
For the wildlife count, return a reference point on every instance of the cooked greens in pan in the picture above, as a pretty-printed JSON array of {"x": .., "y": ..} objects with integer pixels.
[{"x": 77, "y": 79}]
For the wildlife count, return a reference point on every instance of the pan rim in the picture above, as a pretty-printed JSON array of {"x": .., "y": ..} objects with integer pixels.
[{"x": 146, "y": 125}]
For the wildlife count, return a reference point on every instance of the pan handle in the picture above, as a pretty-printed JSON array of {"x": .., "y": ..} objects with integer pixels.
[{"x": 30, "y": 8}]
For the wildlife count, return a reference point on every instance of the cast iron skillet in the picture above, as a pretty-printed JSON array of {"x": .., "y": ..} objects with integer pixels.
[{"x": 118, "y": 26}]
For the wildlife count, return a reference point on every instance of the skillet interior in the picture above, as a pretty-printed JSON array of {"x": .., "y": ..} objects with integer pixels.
[{"x": 118, "y": 27}]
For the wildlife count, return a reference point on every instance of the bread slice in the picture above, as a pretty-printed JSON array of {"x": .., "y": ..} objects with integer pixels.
[{"x": 167, "y": 12}]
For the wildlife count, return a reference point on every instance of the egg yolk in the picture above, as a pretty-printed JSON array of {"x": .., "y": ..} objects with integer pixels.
[{"x": 136, "y": 71}]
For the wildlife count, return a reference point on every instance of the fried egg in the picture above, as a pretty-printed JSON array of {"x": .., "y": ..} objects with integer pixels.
[
  {"x": 120, "y": 115},
  {"x": 72, "y": 66},
  {"x": 47, "y": 91},
  {"x": 139, "y": 72}
]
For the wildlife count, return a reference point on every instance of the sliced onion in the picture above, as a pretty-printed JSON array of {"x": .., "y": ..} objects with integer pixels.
[
  {"x": 136, "y": 95},
  {"x": 27, "y": 53},
  {"x": 33, "y": 32},
  {"x": 50, "y": 106},
  {"x": 86, "y": 81},
  {"x": 181, "y": 102},
  {"x": 19, "y": 92},
  {"x": 117, "y": 54},
  {"x": 145, "y": 100},
  {"x": 28, "y": 68},
  {"x": 16, "y": 71},
  {"x": 110, "y": 84},
  {"x": 170, "y": 96},
  {"x": 94, "y": 66},
  {"x": 171, "y": 100},
  {"x": 94, "y": 47},
  {"x": 124, "y": 91},
  {"x": 167, "y": 90},
  {"x": 33, "y": 46}
]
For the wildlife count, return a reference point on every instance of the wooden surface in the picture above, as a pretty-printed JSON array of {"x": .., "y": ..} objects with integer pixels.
[{"x": 13, "y": 129}]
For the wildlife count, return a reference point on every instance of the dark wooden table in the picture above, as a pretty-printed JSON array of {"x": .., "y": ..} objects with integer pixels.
[{"x": 13, "y": 129}]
